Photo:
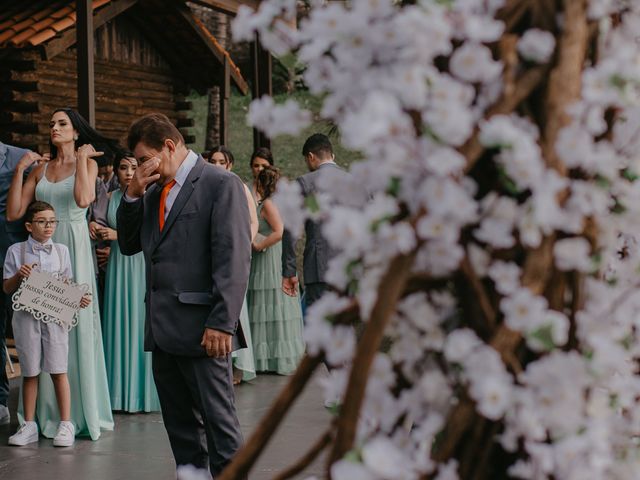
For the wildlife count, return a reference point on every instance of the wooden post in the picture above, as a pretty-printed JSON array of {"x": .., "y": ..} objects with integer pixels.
[
  {"x": 225, "y": 90},
  {"x": 86, "y": 80},
  {"x": 261, "y": 85}
]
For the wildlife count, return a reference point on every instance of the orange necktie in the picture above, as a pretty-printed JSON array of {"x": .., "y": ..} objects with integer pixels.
[{"x": 163, "y": 200}]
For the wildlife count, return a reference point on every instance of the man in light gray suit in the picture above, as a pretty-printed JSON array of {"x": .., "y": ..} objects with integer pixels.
[
  {"x": 318, "y": 155},
  {"x": 191, "y": 220}
]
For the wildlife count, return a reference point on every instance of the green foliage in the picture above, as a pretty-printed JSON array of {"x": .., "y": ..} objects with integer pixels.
[
  {"x": 287, "y": 150},
  {"x": 544, "y": 335}
]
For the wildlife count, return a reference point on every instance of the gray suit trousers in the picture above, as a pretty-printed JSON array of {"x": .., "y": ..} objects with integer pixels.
[{"x": 187, "y": 386}]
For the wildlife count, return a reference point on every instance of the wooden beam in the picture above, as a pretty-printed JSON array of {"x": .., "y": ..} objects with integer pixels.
[
  {"x": 225, "y": 90},
  {"x": 261, "y": 85},
  {"x": 230, "y": 7},
  {"x": 212, "y": 44},
  {"x": 86, "y": 77},
  {"x": 68, "y": 38}
]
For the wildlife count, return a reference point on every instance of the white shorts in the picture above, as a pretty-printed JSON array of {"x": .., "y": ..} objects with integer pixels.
[{"x": 42, "y": 347}]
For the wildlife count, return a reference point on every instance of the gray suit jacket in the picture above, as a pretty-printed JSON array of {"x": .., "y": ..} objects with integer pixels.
[
  {"x": 197, "y": 268},
  {"x": 10, "y": 232},
  {"x": 316, "y": 249}
]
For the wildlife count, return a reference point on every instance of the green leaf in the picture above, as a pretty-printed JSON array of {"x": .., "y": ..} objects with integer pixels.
[
  {"x": 506, "y": 181},
  {"x": 630, "y": 175},
  {"x": 311, "y": 202},
  {"x": 544, "y": 336},
  {"x": 603, "y": 182},
  {"x": 334, "y": 408},
  {"x": 394, "y": 186},
  {"x": 618, "y": 208},
  {"x": 353, "y": 456},
  {"x": 618, "y": 81},
  {"x": 377, "y": 223}
]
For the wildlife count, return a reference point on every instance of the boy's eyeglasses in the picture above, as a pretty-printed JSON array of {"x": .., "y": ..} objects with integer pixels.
[{"x": 46, "y": 223}]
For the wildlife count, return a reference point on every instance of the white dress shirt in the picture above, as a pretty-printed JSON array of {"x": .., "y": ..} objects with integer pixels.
[
  {"x": 181, "y": 176},
  {"x": 47, "y": 260}
]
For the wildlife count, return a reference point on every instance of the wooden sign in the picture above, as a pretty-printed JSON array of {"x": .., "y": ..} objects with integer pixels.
[{"x": 50, "y": 299}]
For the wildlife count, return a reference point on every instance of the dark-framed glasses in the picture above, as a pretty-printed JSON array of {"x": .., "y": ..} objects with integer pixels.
[{"x": 46, "y": 223}]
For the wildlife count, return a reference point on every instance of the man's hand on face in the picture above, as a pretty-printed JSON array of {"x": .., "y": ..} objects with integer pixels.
[
  {"x": 143, "y": 177},
  {"x": 216, "y": 343}
]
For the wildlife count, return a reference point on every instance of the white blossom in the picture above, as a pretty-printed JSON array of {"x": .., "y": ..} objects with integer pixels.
[
  {"x": 506, "y": 276},
  {"x": 408, "y": 86},
  {"x": 573, "y": 254},
  {"x": 536, "y": 45},
  {"x": 275, "y": 119},
  {"x": 474, "y": 63}
]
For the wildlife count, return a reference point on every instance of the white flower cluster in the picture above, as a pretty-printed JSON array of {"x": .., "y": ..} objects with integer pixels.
[{"x": 411, "y": 87}]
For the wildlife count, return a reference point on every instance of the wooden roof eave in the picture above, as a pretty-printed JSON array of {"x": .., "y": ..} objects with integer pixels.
[
  {"x": 58, "y": 45},
  {"x": 229, "y": 7},
  {"x": 216, "y": 49}
]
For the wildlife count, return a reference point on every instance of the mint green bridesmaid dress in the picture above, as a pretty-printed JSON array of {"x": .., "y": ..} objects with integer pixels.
[
  {"x": 129, "y": 370},
  {"x": 243, "y": 359},
  {"x": 90, "y": 407},
  {"x": 275, "y": 318}
]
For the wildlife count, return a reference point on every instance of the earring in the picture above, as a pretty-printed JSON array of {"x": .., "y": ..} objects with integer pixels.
[{"x": 75, "y": 138}]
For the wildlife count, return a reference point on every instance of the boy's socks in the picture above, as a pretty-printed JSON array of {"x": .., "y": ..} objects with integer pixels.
[{"x": 27, "y": 433}]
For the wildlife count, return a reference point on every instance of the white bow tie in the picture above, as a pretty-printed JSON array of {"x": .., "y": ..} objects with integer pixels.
[{"x": 37, "y": 247}]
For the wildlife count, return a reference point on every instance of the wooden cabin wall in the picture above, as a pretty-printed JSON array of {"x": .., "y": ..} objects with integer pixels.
[{"x": 131, "y": 79}]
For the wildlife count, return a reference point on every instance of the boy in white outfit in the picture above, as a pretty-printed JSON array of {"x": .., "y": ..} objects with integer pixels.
[{"x": 41, "y": 346}]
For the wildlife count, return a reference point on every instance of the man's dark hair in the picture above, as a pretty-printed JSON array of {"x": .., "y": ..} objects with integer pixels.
[
  {"x": 319, "y": 145},
  {"x": 36, "y": 207},
  {"x": 108, "y": 155},
  {"x": 262, "y": 152},
  {"x": 152, "y": 130}
]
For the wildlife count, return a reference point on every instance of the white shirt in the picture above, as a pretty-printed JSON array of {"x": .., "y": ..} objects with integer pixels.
[
  {"x": 181, "y": 176},
  {"x": 46, "y": 262}
]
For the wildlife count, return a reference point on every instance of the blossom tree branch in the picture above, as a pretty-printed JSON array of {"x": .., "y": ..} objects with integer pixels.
[
  {"x": 565, "y": 81},
  {"x": 307, "y": 458},
  {"x": 478, "y": 289},
  {"x": 393, "y": 284},
  {"x": 249, "y": 454},
  {"x": 525, "y": 84}
]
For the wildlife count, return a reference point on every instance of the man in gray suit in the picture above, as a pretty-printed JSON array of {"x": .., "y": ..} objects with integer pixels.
[
  {"x": 191, "y": 220},
  {"x": 318, "y": 155}
]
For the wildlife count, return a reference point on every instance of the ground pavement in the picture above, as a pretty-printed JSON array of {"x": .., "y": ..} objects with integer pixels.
[{"x": 138, "y": 447}]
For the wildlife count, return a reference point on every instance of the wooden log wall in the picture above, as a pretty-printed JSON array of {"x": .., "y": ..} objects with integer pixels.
[{"x": 131, "y": 79}]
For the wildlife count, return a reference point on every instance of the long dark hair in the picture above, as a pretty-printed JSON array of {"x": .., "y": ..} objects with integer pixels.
[
  {"x": 119, "y": 156},
  {"x": 267, "y": 181},
  {"x": 86, "y": 135},
  {"x": 224, "y": 151},
  {"x": 262, "y": 152}
]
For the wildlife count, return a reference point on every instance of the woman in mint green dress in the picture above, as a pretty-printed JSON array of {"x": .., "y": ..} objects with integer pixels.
[
  {"x": 67, "y": 182},
  {"x": 129, "y": 370},
  {"x": 275, "y": 318},
  {"x": 244, "y": 368}
]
